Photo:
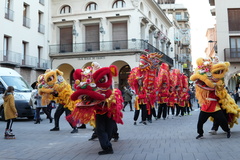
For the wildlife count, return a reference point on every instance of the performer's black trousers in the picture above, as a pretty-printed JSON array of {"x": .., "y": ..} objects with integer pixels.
[
  {"x": 218, "y": 116},
  {"x": 104, "y": 129},
  {"x": 180, "y": 109},
  {"x": 162, "y": 110},
  {"x": 144, "y": 112},
  {"x": 59, "y": 111},
  {"x": 152, "y": 113}
]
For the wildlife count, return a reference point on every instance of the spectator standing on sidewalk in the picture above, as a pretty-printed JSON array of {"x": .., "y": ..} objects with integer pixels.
[
  {"x": 10, "y": 111},
  {"x": 39, "y": 106},
  {"x": 127, "y": 96}
]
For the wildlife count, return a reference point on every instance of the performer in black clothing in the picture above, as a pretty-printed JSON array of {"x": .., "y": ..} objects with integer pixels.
[{"x": 59, "y": 111}]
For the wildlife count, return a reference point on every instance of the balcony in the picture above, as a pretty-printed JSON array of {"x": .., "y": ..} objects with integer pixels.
[
  {"x": 185, "y": 42},
  {"x": 41, "y": 28},
  {"x": 16, "y": 59},
  {"x": 106, "y": 47},
  {"x": 26, "y": 22},
  {"x": 232, "y": 54},
  {"x": 182, "y": 19},
  {"x": 41, "y": 2},
  {"x": 9, "y": 14}
]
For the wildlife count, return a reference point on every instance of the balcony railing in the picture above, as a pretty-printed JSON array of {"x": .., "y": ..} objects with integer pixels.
[
  {"x": 41, "y": 2},
  {"x": 41, "y": 28},
  {"x": 106, "y": 46},
  {"x": 9, "y": 14},
  {"x": 232, "y": 54},
  {"x": 15, "y": 58},
  {"x": 26, "y": 22},
  {"x": 182, "y": 19}
]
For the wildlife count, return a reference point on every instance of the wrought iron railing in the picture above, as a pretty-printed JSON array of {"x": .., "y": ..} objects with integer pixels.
[{"x": 120, "y": 45}]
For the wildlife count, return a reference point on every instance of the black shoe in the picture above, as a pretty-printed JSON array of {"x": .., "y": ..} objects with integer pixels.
[
  {"x": 135, "y": 123},
  {"x": 145, "y": 123},
  {"x": 50, "y": 120},
  {"x": 107, "y": 151},
  {"x": 115, "y": 137},
  {"x": 37, "y": 122},
  {"x": 83, "y": 126},
  {"x": 199, "y": 136},
  {"x": 228, "y": 134},
  {"x": 94, "y": 136},
  {"x": 75, "y": 130},
  {"x": 55, "y": 129}
]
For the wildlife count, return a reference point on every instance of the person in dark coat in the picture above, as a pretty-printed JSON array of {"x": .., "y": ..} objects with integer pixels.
[{"x": 127, "y": 96}]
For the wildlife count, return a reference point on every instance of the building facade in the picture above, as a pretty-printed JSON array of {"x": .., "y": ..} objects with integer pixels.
[
  {"x": 24, "y": 37},
  {"x": 68, "y": 34},
  {"x": 211, "y": 35},
  {"x": 181, "y": 34},
  {"x": 108, "y": 32},
  {"x": 228, "y": 37}
]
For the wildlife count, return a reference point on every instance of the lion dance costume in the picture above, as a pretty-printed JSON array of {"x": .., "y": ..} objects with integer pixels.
[
  {"x": 142, "y": 80},
  {"x": 98, "y": 103},
  {"x": 52, "y": 86},
  {"x": 212, "y": 95}
]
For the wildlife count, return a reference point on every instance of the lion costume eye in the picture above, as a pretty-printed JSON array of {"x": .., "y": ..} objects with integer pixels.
[{"x": 104, "y": 79}]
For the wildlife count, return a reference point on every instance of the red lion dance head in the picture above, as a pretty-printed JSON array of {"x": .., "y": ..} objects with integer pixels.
[{"x": 94, "y": 91}]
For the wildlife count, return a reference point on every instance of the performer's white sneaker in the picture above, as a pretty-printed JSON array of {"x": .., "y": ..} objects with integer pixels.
[{"x": 213, "y": 132}]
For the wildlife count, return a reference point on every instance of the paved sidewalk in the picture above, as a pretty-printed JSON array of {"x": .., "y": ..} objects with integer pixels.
[{"x": 170, "y": 139}]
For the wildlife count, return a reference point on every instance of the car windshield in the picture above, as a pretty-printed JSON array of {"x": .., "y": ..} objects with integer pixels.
[{"x": 18, "y": 83}]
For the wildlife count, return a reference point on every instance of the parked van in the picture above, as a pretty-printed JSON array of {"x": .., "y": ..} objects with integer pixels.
[{"x": 22, "y": 92}]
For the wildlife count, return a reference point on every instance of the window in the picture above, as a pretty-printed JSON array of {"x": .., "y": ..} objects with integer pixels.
[
  {"x": 6, "y": 48},
  {"x": 41, "y": 2},
  {"x": 119, "y": 4},
  {"x": 65, "y": 9},
  {"x": 26, "y": 20},
  {"x": 141, "y": 7},
  {"x": 91, "y": 7},
  {"x": 24, "y": 52},
  {"x": 186, "y": 15},
  {"x": 233, "y": 19},
  {"x": 235, "y": 47},
  {"x": 8, "y": 11},
  {"x": 39, "y": 56},
  {"x": 41, "y": 27},
  {"x": 178, "y": 16}
]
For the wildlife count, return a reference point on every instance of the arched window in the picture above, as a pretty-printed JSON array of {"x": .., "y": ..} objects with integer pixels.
[
  {"x": 149, "y": 15},
  {"x": 65, "y": 9},
  {"x": 91, "y": 7},
  {"x": 141, "y": 7},
  {"x": 119, "y": 4}
]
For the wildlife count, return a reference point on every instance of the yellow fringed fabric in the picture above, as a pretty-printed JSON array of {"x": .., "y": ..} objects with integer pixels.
[
  {"x": 228, "y": 104},
  {"x": 201, "y": 95},
  {"x": 136, "y": 105}
]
